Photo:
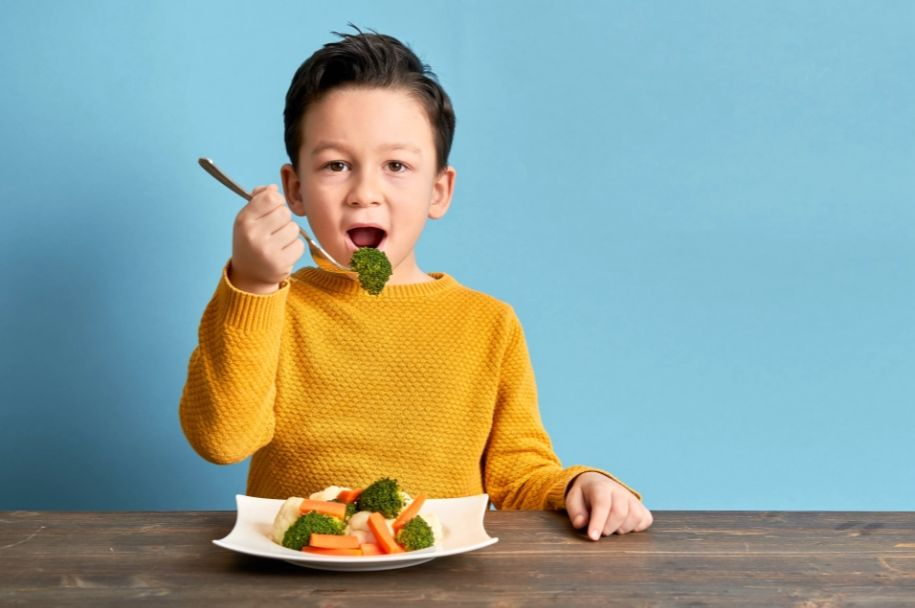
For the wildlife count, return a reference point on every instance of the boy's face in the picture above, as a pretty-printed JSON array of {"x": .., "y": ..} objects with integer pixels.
[{"x": 368, "y": 157}]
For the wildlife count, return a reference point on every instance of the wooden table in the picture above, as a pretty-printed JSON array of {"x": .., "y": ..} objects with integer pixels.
[{"x": 686, "y": 558}]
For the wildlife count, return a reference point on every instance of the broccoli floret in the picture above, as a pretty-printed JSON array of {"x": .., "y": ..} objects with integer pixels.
[
  {"x": 350, "y": 508},
  {"x": 299, "y": 533},
  {"x": 415, "y": 534},
  {"x": 373, "y": 267},
  {"x": 382, "y": 496}
]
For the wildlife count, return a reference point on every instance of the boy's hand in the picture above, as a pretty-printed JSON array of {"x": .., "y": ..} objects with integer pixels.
[
  {"x": 265, "y": 243},
  {"x": 607, "y": 505}
]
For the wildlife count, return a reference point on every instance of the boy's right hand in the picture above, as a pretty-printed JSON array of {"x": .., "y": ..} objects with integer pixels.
[{"x": 265, "y": 243}]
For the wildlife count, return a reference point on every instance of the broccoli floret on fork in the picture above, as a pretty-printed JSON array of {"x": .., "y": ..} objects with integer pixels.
[{"x": 373, "y": 267}]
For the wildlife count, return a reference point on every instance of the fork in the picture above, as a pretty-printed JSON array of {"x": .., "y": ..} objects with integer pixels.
[{"x": 321, "y": 257}]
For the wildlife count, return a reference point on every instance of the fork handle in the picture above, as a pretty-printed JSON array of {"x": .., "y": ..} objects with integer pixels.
[
  {"x": 226, "y": 181},
  {"x": 213, "y": 170}
]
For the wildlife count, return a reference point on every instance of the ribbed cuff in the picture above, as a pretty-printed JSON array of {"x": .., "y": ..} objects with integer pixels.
[
  {"x": 557, "y": 496},
  {"x": 248, "y": 311}
]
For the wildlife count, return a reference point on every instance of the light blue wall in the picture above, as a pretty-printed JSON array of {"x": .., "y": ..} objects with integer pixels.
[{"x": 703, "y": 213}]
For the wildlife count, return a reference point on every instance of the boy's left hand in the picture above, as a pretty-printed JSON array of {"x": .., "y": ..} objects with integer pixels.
[{"x": 605, "y": 506}]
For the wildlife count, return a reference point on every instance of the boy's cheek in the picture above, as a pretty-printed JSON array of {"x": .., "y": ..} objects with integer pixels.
[{"x": 318, "y": 195}]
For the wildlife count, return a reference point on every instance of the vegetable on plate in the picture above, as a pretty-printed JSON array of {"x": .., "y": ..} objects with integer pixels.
[{"x": 375, "y": 520}]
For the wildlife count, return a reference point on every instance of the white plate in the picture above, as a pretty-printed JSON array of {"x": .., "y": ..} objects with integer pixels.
[{"x": 462, "y": 531}]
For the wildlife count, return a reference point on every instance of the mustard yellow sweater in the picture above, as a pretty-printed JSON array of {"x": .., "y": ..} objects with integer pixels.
[{"x": 324, "y": 384}]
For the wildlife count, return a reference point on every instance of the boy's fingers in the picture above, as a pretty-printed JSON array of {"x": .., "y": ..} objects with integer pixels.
[
  {"x": 617, "y": 516},
  {"x": 630, "y": 523},
  {"x": 276, "y": 220},
  {"x": 288, "y": 234},
  {"x": 600, "y": 511},
  {"x": 576, "y": 508},
  {"x": 646, "y": 521},
  {"x": 264, "y": 201},
  {"x": 261, "y": 189},
  {"x": 295, "y": 250}
]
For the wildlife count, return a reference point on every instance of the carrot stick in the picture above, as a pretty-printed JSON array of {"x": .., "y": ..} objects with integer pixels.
[
  {"x": 334, "y": 509},
  {"x": 334, "y": 541},
  {"x": 370, "y": 549},
  {"x": 380, "y": 529},
  {"x": 321, "y": 551},
  {"x": 349, "y": 496},
  {"x": 409, "y": 513}
]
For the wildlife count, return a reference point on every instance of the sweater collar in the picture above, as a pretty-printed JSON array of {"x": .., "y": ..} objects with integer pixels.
[{"x": 341, "y": 284}]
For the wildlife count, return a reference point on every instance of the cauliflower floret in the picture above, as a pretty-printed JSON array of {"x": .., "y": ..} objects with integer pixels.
[
  {"x": 364, "y": 536},
  {"x": 407, "y": 499},
  {"x": 359, "y": 526},
  {"x": 359, "y": 521},
  {"x": 328, "y": 493},
  {"x": 286, "y": 516}
]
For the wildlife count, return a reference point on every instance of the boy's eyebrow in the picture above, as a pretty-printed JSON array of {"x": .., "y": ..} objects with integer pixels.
[{"x": 324, "y": 145}]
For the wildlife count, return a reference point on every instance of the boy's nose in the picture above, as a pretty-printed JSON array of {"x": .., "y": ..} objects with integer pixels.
[{"x": 365, "y": 192}]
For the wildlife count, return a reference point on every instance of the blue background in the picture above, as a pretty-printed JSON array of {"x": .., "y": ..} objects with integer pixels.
[{"x": 702, "y": 213}]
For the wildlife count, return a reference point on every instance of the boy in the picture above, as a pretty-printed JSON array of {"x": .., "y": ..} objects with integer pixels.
[{"x": 429, "y": 382}]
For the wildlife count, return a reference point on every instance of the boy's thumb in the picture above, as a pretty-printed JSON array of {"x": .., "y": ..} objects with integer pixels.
[{"x": 575, "y": 507}]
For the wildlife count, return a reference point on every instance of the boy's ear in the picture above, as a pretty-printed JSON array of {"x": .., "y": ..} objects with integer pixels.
[
  {"x": 292, "y": 188},
  {"x": 442, "y": 191}
]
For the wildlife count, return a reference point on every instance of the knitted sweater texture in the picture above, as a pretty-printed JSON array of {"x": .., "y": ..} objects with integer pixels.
[{"x": 323, "y": 384}]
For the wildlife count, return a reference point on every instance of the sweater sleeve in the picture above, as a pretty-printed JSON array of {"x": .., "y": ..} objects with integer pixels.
[
  {"x": 521, "y": 470},
  {"x": 226, "y": 408}
]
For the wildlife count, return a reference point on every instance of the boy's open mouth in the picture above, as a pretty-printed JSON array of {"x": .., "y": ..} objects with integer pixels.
[{"x": 366, "y": 236}]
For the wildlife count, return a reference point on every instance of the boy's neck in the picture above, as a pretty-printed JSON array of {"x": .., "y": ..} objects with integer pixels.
[
  {"x": 408, "y": 276},
  {"x": 408, "y": 272},
  {"x": 420, "y": 277}
]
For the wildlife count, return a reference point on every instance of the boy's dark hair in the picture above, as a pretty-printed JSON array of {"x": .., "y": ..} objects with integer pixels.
[{"x": 367, "y": 60}]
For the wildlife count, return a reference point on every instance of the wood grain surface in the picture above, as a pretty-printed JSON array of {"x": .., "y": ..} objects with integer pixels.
[{"x": 687, "y": 558}]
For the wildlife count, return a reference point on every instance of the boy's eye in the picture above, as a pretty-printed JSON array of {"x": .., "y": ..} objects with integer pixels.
[{"x": 336, "y": 166}]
